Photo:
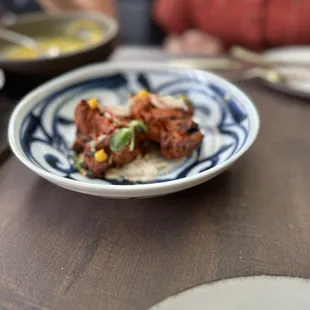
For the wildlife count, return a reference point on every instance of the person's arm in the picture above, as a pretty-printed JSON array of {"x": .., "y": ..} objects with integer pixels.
[
  {"x": 220, "y": 23},
  {"x": 104, "y": 6},
  {"x": 173, "y": 15}
]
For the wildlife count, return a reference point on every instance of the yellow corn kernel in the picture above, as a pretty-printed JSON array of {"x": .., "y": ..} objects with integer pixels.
[
  {"x": 183, "y": 96},
  {"x": 93, "y": 103},
  {"x": 101, "y": 156},
  {"x": 143, "y": 93}
]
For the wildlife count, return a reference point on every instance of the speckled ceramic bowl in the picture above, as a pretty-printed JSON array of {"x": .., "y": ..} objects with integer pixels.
[
  {"x": 255, "y": 293},
  {"x": 41, "y": 130}
]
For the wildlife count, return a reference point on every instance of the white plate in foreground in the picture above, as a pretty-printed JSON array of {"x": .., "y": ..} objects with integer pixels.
[{"x": 253, "y": 293}]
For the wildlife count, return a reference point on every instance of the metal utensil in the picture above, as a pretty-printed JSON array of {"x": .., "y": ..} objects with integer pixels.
[
  {"x": 207, "y": 63},
  {"x": 28, "y": 42},
  {"x": 19, "y": 39},
  {"x": 258, "y": 59},
  {"x": 263, "y": 69},
  {"x": 270, "y": 75}
]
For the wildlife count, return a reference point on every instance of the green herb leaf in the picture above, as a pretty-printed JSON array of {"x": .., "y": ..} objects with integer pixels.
[
  {"x": 125, "y": 136},
  {"x": 132, "y": 141},
  {"x": 120, "y": 139},
  {"x": 137, "y": 124},
  {"x": 78, "y": 161}
]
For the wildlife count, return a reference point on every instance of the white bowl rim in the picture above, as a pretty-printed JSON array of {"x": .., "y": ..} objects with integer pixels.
[{"x": 99, "y": 69}]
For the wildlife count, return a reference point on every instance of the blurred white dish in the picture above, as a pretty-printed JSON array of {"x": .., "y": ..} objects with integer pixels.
[
  {"x": 298, "y": 55},
  {"x": 252, "y": 293}
]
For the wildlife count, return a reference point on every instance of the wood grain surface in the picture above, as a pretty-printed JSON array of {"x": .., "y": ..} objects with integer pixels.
[{"x": 63, "y": 250}]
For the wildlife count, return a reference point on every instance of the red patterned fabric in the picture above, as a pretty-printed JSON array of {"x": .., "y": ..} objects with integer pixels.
[{"x": 252, "y": 23}]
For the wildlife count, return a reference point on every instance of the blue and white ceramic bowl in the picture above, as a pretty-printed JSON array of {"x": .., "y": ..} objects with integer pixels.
[{"x": 41, "y": 130}]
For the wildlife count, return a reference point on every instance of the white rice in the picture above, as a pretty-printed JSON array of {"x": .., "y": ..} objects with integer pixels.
[{"x": 145, "y": 168}]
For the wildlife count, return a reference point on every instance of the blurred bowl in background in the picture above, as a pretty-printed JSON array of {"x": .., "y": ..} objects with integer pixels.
[
  {"x": 92, "y": 37},
  {"x": 1, "y": 79}
]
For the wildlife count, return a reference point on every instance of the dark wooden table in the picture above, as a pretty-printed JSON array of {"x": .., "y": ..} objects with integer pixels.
[{"x": 63, "y": 250}]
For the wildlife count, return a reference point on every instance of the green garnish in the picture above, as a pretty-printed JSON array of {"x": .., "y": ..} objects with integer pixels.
[
  {"x": 126, "y": 136},
  {"x": 78, "y": 161},
  {"x": 120, "y": 139},
  {"x": 132, "y": 142},
  {"x": 137, "y": 124}
]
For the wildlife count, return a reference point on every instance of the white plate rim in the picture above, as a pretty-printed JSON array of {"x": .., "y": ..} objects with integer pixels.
[{"x": 216, "y": 282}]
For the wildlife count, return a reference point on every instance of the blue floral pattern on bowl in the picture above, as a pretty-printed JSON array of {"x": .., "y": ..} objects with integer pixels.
[{"x": 47, "y": 132}]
